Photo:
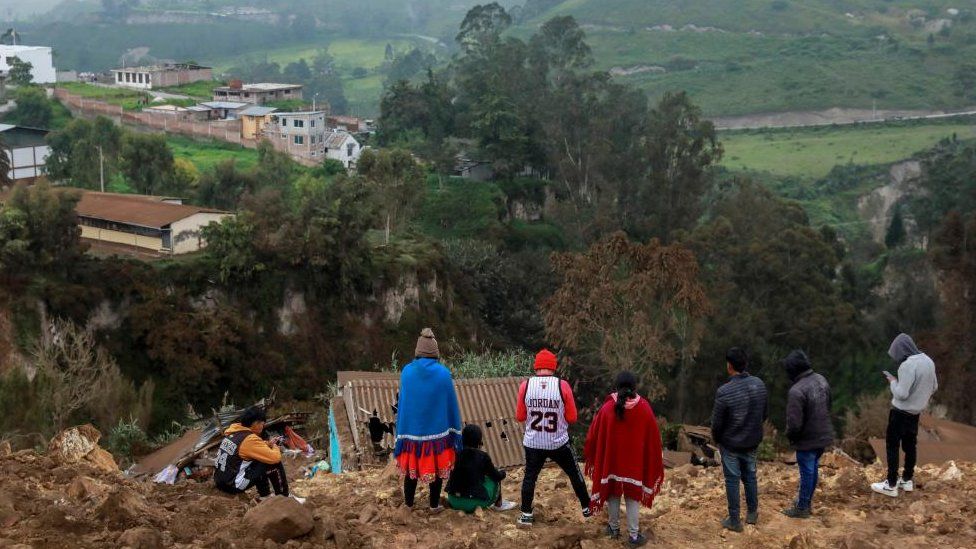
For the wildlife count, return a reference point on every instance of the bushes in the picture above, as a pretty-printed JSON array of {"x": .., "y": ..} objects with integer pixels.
[{"x": 470, "y": 364}]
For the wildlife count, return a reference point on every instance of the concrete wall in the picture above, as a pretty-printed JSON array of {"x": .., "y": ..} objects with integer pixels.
[
  {"x": 186, "y": 232},
  {"x": 40, "y": 57},
  {"x": 105, "y": 235}
]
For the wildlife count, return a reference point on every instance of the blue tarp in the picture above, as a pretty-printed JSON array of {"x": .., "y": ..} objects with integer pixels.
[{"x": 335, "y": 453}]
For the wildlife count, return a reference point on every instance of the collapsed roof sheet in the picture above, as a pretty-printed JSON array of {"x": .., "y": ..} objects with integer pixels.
[{"x": 489, "y": 403}]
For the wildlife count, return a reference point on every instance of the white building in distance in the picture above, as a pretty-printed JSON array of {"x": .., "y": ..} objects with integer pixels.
[{"x": 39, "y": 57}]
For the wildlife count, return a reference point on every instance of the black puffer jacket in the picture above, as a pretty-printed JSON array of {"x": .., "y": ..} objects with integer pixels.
[
  {"x": 740, "y": 408},
  {"x": 808, "y": 425}
]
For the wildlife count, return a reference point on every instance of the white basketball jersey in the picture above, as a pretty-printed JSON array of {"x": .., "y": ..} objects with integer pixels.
[{"x": 546, "y": 427}]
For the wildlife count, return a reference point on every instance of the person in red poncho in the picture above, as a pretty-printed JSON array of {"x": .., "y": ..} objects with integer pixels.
[{"x": 624, "y": 457}]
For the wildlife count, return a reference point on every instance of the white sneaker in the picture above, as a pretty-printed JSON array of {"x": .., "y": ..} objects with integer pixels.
[
  {"x": 885, "y": 488},
  {"x": 298, "y": 499},
  {"x": 906, "y": 485},
  {"x": 504, "y": 506}
]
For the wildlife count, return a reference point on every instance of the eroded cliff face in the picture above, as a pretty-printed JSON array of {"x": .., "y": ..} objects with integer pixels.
[{"x": 878, "y": 207}]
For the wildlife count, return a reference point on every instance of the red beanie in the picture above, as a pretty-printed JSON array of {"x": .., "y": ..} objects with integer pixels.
[{"x": 545, "y": 360}]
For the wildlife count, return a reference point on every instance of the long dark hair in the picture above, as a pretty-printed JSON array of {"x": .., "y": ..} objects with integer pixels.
[{"x": 626, "y": 388}]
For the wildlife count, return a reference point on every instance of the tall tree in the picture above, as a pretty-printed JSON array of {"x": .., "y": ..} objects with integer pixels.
[
  {"x": 33, "y": 109},
  {"x": 622, "y": 305},
  {"x": 39, "y": 234},
  {"x": 78, "y": 152},
  {"x": 20, "y": 72},
  {"x": 147, "y": 162},
  {"x": 680, "y": 147},
  {"x": 399, "y": 183}
]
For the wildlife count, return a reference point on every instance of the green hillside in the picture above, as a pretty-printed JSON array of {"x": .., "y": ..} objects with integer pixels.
[{"x": 743, "y": 56}]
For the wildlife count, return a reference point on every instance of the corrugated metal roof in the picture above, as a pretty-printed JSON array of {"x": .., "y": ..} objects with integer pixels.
[
  {"x": 224, "y": 104},
  {"x": 257, "y": 111},
  {"x": 489, "y": 403},
  {"x": 135, "y": 209},
  {"x": 335, "y": 140}
]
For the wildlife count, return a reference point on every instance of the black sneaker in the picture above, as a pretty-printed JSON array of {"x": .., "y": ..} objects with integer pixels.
[
  {"x": 525, "y": 519},
  {"x": 734, "y": 525},
  {"x": 613, "y": 533},
  {"x": 795, "y": 512},
  {"x": 637, "y": 541},
  {"x": 587, "y": 513},
  {"x": 752, "y": 517}
]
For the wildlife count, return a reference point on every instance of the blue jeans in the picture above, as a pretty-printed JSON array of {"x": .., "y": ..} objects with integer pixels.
[
  {"x": 738, "y": 466},
  {"x": 809, "y": 463}
]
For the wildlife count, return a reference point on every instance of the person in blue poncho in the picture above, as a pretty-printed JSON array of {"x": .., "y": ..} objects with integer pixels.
[{"x": 428, "y": 429}]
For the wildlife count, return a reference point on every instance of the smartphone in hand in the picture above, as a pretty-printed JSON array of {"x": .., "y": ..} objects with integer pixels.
[{"x": 888, "y": 375}]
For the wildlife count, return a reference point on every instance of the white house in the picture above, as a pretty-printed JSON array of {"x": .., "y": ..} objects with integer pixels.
[
  {"x": 39, "y": 57},
  {"x": 343, "y": 147},
  {"x": 26, "y": 149}
]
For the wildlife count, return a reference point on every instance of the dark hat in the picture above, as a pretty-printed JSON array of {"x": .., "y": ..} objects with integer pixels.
[
  {"x": 796, "y": 363},
  {"x": 471, "y": 436}
]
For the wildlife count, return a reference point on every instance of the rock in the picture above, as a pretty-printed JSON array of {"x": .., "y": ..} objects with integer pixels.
[
  {"x": 850, "y": 481},
  {"x": 951, "y": 473},
  {"x": 280, "y": 519},
  {"x": 141, "y": 538},
  {"x": 405, "y": 539},
  {"x": 82, "y": 488},
  {"x": 801, "y": 541},
  {"x": 5, "y": 448},
  {"x": 838, "y": 459},
  {"x": 342, "y": 540},
  {"x": 72, "y": 445},
  {"x": 479, "y": 513},
  {"x": 368, "y": 514},
  {"x": 857, "y": 541},
  {"x": 123, "y": 509},
  {"x": 102, "y": 460}
]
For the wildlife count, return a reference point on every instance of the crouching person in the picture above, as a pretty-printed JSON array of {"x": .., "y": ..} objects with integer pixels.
[
  {"x": 475, "y": 482},
  {"x": 245, "y": 460}
]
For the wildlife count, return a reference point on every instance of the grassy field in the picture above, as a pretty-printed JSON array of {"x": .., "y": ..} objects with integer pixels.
[
  {"x": 205, "y": 155},
  {"x": 810, "y": 153},
  {"x": 198, "y": 90},
  {"x": 128, "y": 99}
]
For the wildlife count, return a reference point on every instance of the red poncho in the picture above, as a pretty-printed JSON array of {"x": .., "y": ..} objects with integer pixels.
[{"x": 624, "y": 456}]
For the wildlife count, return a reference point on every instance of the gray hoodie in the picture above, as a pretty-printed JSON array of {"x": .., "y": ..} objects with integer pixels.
[{"x": 916, "y": 380}]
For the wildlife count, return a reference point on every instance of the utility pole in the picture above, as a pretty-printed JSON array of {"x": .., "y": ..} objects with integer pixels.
[{"x": 101, "y": 168}]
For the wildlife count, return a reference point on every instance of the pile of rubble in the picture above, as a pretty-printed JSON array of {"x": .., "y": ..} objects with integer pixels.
[{"x": 70, "y": 498}]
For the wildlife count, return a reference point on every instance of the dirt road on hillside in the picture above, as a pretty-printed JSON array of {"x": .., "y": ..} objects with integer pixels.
[{"x": 834, "y": 116}]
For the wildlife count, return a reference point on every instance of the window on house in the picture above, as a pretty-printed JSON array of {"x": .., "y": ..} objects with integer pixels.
[
  {"x": 118, "y": 76},
  {"x": 284, "y": 122},
  {"x": 247, "y": 94},
  {"x": 287, "y": 92},
  {"x": 283, "y": 135},
  {"x": 314, "y": 153},
  {"x": 312, "y": 123},
  {"x": 350, "y": 148},
  {"x": 299, "y": 140},
  {"x": 299, "y": 123}
]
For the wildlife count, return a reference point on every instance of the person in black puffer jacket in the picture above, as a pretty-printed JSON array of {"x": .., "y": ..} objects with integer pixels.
[
  {"x": 741, "y": 406},
  {"x": 808, "y": 426}
]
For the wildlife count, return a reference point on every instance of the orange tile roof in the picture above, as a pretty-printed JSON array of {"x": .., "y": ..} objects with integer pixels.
[{"x": 141, "y": 210}]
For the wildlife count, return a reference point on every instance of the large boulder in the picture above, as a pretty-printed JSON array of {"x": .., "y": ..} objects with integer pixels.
[
  {"x": 72, "y": 445},
  {"x": 80, "y": 444},
  {"x": 141, "y": 538},
  {"x": 280, "y": 519}
]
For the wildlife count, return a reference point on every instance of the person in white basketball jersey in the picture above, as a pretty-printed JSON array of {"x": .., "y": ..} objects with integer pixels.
[{"x": 547, "y": 408}]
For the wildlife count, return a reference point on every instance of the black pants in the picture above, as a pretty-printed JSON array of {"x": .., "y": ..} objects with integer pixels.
[
  {"x": 262, "y": 476},
  {"x": 903, "y": 432},
  {"x": 410, "y": 490},
  {"x": 566, "y": 460}
]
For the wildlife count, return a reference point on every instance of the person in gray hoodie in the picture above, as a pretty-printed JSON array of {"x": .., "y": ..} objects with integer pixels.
[
  {"x": 808, "y": 426},
  {"x": 911, "y": 391}
]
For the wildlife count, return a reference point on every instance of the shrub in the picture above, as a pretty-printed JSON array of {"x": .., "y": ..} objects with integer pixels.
[
  {"x": 127, "y": 440},
  {"x": 868, "y": 418},
  {"x": 469, "y": 364}
]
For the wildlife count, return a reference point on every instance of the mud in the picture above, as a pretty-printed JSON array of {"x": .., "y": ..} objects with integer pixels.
[{"x": 44, "y": 505}]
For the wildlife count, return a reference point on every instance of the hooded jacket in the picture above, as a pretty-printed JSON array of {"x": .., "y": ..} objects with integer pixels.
[
  {"x": 808, "y": 425},
  {"x": 916, "y": 381}
]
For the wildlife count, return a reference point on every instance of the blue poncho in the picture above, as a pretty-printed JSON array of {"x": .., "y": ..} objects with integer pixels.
[{"x": 428, "y": 418}]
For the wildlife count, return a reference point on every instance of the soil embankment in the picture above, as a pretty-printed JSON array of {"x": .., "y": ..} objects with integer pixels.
[{"x": 44, "y": 505}]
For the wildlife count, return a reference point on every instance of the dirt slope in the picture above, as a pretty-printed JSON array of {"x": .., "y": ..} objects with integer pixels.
[{"x": 47, "y": 506}]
